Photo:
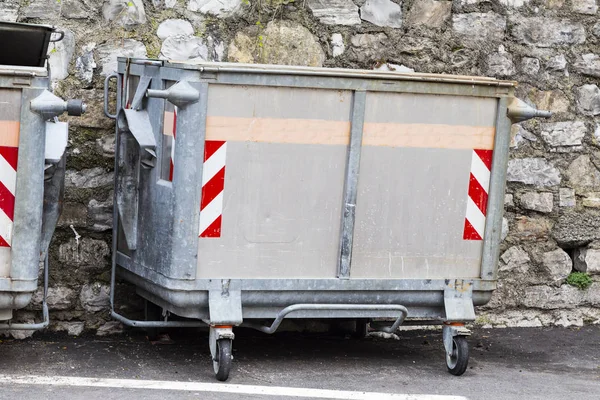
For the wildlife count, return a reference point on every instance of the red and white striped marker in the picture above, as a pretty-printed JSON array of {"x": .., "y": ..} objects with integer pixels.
[
  {"x": 479, "y": 184},
  {"x": 8, "y": 183},
  {"x": 174, "y": 132},
  {"x": 213, "y": 183}
]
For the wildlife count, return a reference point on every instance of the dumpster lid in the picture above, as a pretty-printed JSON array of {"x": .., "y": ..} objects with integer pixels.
[{"x": 224, "y": 67}]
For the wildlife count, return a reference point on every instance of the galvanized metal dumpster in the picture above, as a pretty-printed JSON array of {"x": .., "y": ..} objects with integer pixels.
[
  {"x": 32, "y": 169},
  {"x": 253, "y": 193}
]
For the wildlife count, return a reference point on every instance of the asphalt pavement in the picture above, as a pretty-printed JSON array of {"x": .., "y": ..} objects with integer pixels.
[{"x": 519, "y": 363}]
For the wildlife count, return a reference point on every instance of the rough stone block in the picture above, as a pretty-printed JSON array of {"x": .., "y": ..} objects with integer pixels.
[
  {"x": 514, "y": 3},
  {"x": 430, "y": 13},
  {"x": 101, "y": 214},
  {"x": 518, "y": 135},
  {"x": 184, "y": 48},
  {"x": 542, "y": 202},
  {"x": 84, "y": 252},
  {"x": 107, "y": 53},
  {"x": 549, "y": 298},
  {"x": 588, "y": 64},
  {"x": 583, "y": 174},
  {"x": 220, "y": 8},
  {"x": 547, "y": 32},
  {"x": 382, "y": 13},
  {"x": 500, "y": 64},
  {"x": 566, "y": 197},
  {"x": 532, "y": 228},
  {"x": 587, "y": 260},
  {"x": 89, "y": 178},
  {"x": 596, "y": 29},
  {"x": 283, "y": 42},
  {"x": 335, "y": 12},
  {"x": 9, "y": 12},
  {"x": 94, "y": 297},
  {"x": 58, "y": 298},
  {"x": 557, "y": 265},
  {"x": 85, "y": 63},
  {"x": 551, "y": 100},
  {"x": 533, "y": 171},
  {"x": 584, "y": 6},
  {"x": 530, "y": 66},
  {"x": 476, "y": 28},
  {"x": 73, "y": 214},
  {"x": 557, "y": 63},
  {"x": 588, "y": 99},
  {"x": 43, "y": 9},
  {"x": 80, "y": 9},
  {"x": 174, "y": 27},
  {"x": 366, "y": 46},
  {"x": 591, "y": 200},
  {"x": 564, "y": 134},
  {"x": 574, "y": 229},
  {"x": 515, "y": 259},
  {"x": 337, "y": 44},
  {"x": 128, "y": 14}
]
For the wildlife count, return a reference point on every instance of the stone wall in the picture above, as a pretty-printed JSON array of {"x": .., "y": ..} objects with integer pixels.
[{"x": 552, "y": 47}]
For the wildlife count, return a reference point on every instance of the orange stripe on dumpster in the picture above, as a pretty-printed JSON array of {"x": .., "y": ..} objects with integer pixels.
[
  {"x": 9, "y": 133},
  {"x": 313, "y": 131}
]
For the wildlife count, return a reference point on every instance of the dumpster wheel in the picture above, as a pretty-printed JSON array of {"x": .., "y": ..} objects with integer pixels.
[
  {"x": 458, "y": 361},
  {"x": 222, "y": 359}
]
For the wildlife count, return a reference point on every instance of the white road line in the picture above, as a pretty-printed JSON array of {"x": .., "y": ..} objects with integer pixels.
[{"x": 215, "y": 388}]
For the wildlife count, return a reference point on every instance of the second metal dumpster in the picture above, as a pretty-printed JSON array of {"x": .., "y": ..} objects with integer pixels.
[
  {"x": 32, "y": 167},
  {"x": 253, "y": 193}
]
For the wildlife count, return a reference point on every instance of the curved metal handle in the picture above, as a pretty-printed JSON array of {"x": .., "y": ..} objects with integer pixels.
[
  {"x": 334, "y": 307},
  {"x": 61, "y": 36},
  {"x": 106, "y": 83}
]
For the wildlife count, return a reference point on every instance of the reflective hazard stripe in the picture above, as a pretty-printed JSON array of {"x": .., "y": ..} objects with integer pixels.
[
  {"x": 8, "y": 183},
  {"x": 479, "y": 183}
]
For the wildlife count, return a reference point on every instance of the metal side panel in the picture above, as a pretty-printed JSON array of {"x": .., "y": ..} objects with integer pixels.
[
  {"x": 417, "y": 211},
  {"x": 10, "y": 115},
  {"x": 273, "y": 183}
]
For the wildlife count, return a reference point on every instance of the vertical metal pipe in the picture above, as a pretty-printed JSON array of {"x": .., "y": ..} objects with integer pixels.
[
  {"x": 29, "y": 196},
  {"x": 351, "y": 184},
  {"x": 495, "y": 207},
  {"x": 187, "y": 183},
  {"x": 115, "y": 228}
]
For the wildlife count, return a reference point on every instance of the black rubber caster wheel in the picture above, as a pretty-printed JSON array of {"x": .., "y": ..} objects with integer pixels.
[
  {"x": 458, "y": 361},
  {"x": 223, "y": 359}
]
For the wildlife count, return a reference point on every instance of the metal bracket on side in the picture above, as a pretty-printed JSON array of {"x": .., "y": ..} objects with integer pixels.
[
  {"x": 458, "y": 300},
  {"x": 225, "y": 304},
  {"x": 138, "y": 123}
]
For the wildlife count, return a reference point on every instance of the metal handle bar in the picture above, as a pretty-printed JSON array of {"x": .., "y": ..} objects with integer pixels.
[
  {"x": 334, "y": 307},
  {"x": 106, "y": 83},
  {"x": 60, "y": 37}
]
